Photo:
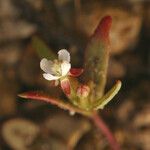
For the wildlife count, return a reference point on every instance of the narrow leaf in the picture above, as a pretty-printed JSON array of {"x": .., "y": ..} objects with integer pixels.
[
  {"x": 42, "y": 49},
  {"x": 46, "y": 98},
  {"x": 108, "y": 96}
]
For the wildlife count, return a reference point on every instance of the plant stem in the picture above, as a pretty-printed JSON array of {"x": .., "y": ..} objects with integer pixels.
[{"x": 105, "y": 130}]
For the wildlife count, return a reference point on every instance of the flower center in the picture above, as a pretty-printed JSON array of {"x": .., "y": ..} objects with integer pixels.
[{"x": 56, "y": 68}]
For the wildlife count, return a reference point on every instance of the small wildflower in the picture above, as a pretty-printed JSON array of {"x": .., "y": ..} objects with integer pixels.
[{"x": 60, "y": 67}]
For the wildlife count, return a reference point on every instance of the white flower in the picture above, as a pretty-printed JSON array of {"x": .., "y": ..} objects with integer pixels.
[{"x": 58, "y": 68}]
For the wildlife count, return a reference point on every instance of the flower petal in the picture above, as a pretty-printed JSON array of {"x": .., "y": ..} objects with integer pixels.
[
  {"x": 64, "y": 55},
  {"x": 75, "y": 72},
  {"x": 65, "y": 67},
  {"x": 46, "y": 65},
  {"x": 50, "y": 77}
]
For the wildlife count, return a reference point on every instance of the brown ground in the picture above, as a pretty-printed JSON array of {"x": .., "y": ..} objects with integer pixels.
[{"x": 28, "y": 125}]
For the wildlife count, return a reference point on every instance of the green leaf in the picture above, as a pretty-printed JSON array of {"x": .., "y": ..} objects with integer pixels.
[
  {"x": 96, "y": 58},
  {"x": 42, "y": 49},
  {"x": 99, "y": 104},
  {"x": 40, "y": 96}
]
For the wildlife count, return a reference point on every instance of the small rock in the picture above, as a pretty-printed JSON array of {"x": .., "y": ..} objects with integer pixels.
[
  {"x": 142, "y": 118},
  {"x": 8, "y": 30},
  {"x": 125, "y": 28},
  {"x": 116, "y": 69},
  {"x": 142, "y": 139},
  {"x": 8, "y": 10},
  {"x": 19, "y": 133},
  {"x": 48, "y": 143},
  {"x": 38, "y": 5},
  {"x": 71, "y": 130},
  {"x": 125, "y": 109},
  {"x": 10, "y": 54},
  {"x": 8, "y": 94}
]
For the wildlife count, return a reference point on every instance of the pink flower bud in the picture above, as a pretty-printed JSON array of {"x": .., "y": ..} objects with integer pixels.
[
  {"x": 83, "y": 91},
  {"x": 65, "y": 85}
]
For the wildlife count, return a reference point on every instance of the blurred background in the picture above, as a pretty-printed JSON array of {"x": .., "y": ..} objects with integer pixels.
[{"x": 29, "y": 125}]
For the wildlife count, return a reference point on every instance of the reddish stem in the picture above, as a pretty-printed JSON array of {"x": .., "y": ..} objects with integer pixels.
[{"x": 105, "y": 130}]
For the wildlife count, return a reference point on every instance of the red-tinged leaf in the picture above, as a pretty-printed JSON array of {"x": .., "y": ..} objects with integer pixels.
[
  {"x": 75, "y": 72},
  {"x": 96, "y": 58},
  {"x": 65, "y": 85},
  {"x": 36, "y": 95},
  {"x": 103, "y": 28},
  {"x": 46, "y": 98}
]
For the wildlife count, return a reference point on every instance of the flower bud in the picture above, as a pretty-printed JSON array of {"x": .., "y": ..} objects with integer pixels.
[
  {"x": 83, "y": 91},
  {"x": 65, "y": 85}
]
